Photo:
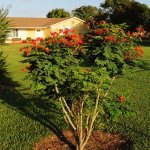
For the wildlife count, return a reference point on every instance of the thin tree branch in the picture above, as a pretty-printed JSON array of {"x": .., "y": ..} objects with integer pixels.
[
  {"x": 66, "y": 105},
  {"x": 81, "y": 121},
  {"x": 87, "y": 123},
  {"x": 95, "y": 113},
  {"x": 67, "y": 116},
  {"x": 64, "y": 110}
]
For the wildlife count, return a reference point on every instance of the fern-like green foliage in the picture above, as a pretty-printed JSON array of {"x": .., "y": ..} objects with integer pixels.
[
  {"x": 4, "y": 25},
  {"x": 4, "y": 74},
  {"x": 4, "y": 30}
]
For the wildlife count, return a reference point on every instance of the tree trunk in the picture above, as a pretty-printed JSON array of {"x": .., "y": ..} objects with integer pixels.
[{"x": 79, "y": 147}]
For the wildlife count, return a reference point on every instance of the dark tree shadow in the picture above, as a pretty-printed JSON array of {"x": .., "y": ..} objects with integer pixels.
[
  {"x": 146, "y": 42},
  {"x": 43, "y": 111},
  {"x": 32, "y": 106},
  {"x": 143, "y": 66},
  {"x": 128, "y": 145}
]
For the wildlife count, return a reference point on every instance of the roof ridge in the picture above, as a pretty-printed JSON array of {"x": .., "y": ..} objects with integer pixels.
[
  {"x": 34, "y": 22},
  {"x": 37, "y": 18}
]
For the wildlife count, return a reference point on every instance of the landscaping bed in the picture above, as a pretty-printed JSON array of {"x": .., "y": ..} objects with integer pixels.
[{"x": 98, "y": 140}]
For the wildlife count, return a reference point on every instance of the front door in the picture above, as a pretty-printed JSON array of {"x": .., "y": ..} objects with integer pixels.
[
  {"x": 39, "y": 34},
  {"x": 22, "y": 34}
]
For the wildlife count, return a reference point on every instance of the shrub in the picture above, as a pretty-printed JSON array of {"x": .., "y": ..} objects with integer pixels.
[
  {"x": 24, "y": 41},
  {"x": 29, "y": 39},
  {"x": 113, "y": 47},
  {"x": 16, "y": 39},
  {"x": 78, "y": 71}
]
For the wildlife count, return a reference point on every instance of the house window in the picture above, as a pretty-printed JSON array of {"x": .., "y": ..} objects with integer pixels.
[{"x": 16, "y": 33}]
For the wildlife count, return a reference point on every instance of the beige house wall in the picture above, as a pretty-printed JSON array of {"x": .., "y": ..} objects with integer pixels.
[
  {"x": 30, "y": 33},
  {"x": 74, "y": 23},
  {"x": 46, "y": 32},
  {"x": 33, "y": 33},
  {"x": 71, "y": 23}
]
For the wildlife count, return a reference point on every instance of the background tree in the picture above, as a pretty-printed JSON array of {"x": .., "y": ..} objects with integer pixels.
[
  {"x": 85, "y": 12},
  {"x": 4, "y": 25},
  {"x": 58, "y": 13},
  {"x": 127, "y": 11}
]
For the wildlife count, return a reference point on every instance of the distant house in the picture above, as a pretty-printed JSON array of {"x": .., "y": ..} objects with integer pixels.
[{"x": 32, "y": 28}]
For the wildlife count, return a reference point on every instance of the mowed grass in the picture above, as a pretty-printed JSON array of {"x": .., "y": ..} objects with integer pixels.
[
  {"x": 136, "y": 89},
  {"x": 25, "y": 119}
]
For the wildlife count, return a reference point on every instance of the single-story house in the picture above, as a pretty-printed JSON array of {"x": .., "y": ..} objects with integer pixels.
[{"x": 32, "y": 28}]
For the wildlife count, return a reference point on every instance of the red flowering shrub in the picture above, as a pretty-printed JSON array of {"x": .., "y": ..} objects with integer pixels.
[
  {"x": 111, "y": 46},
  {"x": 78, "y": 71}
]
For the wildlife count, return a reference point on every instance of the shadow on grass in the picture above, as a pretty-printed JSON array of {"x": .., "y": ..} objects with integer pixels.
[
  {"x": 133, "y": 135},
  {"x": 34, "y": 107},
  {"x": 43, "y": 111},
  {"x": 144, "y": 65},
  {"x": 146, "y": 42},
  {"x": 46, "y": 111}
]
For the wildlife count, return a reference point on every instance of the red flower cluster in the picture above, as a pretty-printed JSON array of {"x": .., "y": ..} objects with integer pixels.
[
  {"x": 27, "y": 51},
  {"x": 28, "y": 66},
  {"x": 63, "y": 38},
  {"x": 139, "y": 33},
  {"x": 66, "y": 38},
  {"x": 24, "y": 70},
  {"x": 140, "y": 29},
  {"x": 138, "y": 52},
  {"x": 121, "y": 98},
  {"x": 95, "y": 22},
  {"x": 39, "y": 39},
  {"x": 101, "y": 31}
]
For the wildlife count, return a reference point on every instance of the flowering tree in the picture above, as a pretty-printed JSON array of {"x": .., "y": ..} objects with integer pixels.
[
  {"x": 113, "y": 47},
  {"x": 78, "y": 71}
]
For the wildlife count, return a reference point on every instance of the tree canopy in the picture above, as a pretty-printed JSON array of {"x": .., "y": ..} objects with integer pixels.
[
  {"x": 127, "y": 11},
  {"x": 58, "y": 13},
  {"x": 85, "y": 12}
]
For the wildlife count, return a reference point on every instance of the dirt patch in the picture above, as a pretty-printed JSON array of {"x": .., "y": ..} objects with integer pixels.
[{"x": 98, "y": 141}]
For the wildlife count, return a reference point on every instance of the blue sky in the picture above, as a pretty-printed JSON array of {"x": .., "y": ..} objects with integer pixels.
[{"x": 39, "y": 8}]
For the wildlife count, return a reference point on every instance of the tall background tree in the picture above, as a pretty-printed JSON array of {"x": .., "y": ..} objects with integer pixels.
[
  {"x": 58, "y": 13},
  {"x": 85, "y": 12},
  {"x": 127, "y": 11}
]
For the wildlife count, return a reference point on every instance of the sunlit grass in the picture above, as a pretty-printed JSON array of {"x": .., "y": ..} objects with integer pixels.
[
  {"x": 136, "y": 89},
  {"x": 24, "y": 118}
]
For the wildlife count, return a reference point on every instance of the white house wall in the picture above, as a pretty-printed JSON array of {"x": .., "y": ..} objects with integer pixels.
[{"x": 22, "y": 34}]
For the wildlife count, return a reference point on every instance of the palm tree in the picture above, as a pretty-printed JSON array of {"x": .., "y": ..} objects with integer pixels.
[
  {"x": 4, "y": 30},
  {"x": 4, "y": 25}
]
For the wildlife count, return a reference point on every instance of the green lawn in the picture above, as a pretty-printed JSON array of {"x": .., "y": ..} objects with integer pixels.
[
  {"x": 136, "y": 89},
  {"x": 24, "y": 119}
]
